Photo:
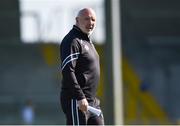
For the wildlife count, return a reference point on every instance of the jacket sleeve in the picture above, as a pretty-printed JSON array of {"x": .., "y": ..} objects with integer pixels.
[{"x": 69, "y": 58}]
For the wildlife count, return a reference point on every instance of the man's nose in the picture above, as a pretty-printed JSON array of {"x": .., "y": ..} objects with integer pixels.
[{"x": 91, "y": 22}]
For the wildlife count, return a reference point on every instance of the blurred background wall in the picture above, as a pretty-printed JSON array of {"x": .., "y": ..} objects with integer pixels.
[
  {"x": 29, "y": 63},
  {"x": 28, "y": 72},
  {"x": 151, "y": 44}
]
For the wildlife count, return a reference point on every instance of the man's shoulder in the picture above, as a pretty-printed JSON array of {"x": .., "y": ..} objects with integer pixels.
[
  {"x": 71, "y": 41},
  {"x": 71, "y": 38}
]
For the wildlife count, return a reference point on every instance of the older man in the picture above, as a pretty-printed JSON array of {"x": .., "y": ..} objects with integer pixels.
[{"x": 80, "y": 72}]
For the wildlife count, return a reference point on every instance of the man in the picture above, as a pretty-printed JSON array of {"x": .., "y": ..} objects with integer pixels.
[{"x": 80, "y": 72}]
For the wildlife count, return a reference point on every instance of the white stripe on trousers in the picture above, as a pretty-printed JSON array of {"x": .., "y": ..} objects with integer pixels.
[
  {"x": 77, "y": 112},
  {"x": 74, "y": 111}
]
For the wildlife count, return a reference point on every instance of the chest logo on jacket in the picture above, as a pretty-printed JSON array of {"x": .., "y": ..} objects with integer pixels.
[{"x": 86, "y": 47}]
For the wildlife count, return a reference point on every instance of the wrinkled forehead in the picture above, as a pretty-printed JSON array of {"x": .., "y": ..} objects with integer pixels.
[{"x": 87, "y": 13}]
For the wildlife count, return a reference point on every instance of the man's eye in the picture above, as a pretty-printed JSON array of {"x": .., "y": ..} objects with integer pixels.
[{"x": 93, "y": 20}]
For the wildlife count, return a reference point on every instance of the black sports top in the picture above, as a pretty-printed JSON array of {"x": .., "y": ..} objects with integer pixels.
[{"x": 79, "y": 66}]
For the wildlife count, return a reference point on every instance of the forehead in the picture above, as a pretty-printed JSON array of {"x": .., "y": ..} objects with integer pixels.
[{"x": 88, "y": 13}]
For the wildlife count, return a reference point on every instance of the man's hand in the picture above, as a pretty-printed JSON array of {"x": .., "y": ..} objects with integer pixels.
[{"x": 83, "y": 104}]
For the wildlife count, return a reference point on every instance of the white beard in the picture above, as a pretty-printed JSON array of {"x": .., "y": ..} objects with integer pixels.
[{"x": 89, "y": 33}]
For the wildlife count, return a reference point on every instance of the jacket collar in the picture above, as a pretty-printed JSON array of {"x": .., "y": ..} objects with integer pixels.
[{"x": 82, "y": 34}]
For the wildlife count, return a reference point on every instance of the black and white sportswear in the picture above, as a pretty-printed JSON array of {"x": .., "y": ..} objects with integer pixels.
[{"x": 79, "y": 66}]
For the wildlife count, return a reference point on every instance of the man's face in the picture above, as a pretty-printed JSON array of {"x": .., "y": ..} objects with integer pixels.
[{"x": 87, "y": 21}]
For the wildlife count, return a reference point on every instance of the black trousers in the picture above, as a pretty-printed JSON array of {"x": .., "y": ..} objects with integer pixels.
[{"x": 74, "y": 116}]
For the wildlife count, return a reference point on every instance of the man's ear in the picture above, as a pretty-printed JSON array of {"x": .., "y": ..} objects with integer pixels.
[{"x": 77, "y": 21}]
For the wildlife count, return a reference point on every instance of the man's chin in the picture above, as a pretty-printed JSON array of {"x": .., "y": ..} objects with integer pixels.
[{"x": 89, "y": 32}]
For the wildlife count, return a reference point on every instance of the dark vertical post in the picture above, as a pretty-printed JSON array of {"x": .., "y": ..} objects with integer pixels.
[
  {"x": 113, "y": 87},
  {"x": 108, "y": 109}
]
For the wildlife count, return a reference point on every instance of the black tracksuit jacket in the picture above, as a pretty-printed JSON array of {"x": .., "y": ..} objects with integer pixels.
[{"x": 79, "y": 66}]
